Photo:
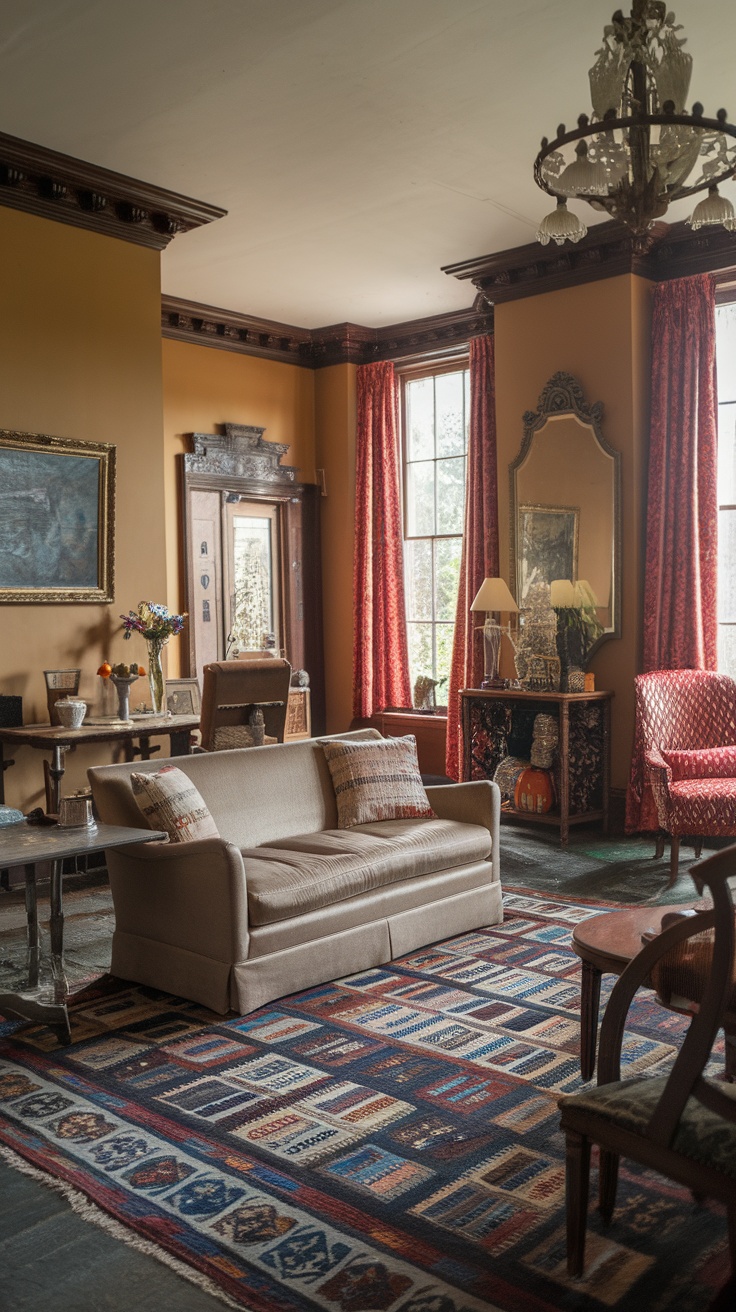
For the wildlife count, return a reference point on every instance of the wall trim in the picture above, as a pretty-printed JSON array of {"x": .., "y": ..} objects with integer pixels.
[
  {"x": 316, "y": 348},
  {"x": 667, "y": 251},
  {"x": 68, "y": 190}
]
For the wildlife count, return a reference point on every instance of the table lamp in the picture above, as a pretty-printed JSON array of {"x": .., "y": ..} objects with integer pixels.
[{"x": 493, "y": 596}]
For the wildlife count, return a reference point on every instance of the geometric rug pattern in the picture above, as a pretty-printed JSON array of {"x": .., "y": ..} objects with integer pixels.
[{"x": 387, "y": 1142}]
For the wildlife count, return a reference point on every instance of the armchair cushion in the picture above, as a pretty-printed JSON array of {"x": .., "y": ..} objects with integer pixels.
[
  {"x": 702, "y": 763},
  {"x": 169, "y": 800},
  {"x": 702, "y": 806},
  {"x": 377, "y": 780}
]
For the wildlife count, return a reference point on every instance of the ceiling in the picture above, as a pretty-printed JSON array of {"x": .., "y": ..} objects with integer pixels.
[{"x": 358, "y": 145}]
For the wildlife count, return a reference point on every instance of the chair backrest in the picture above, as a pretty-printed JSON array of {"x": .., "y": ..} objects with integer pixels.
[
  {"x": 232, "y": 690},
  {"x": 685, "y": 709},
  {"x": 686, "y": 1076}
]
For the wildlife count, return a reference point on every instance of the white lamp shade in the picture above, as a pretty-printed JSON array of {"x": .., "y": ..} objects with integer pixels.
[
  {"x": 561, "y": 594},
  {"x": 584, "y": 594},
  {"x": 494, "y": 594}
]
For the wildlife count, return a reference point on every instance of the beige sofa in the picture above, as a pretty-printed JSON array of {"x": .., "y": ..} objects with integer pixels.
[{"x": 284, "y": 900}]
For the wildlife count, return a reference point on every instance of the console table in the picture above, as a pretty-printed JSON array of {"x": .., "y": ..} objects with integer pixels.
[
  {"x": 582, "y": 767},
  {"x": 23, "y": 845},
  {"x": 58, "y": 740}
]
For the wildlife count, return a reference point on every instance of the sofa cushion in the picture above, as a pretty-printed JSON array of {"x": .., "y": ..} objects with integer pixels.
[
  {"x": 702, "y": 763},
  {"x": 170, "y": 801},
  {"x": 296, "y": 875},
  {"x": 376, "y": 781}
]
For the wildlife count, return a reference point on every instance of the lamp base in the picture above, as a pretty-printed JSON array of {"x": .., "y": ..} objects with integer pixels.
[{"x": 494, "y": 681}]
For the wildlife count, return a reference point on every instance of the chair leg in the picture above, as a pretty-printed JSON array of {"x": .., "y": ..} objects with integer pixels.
[
  {"x": 730, "y": 1055},
  {"x": 607, "y": 1184},
  {"x": 698, "y": 845},
  {"x": 731, "y": 1214},
  {"x": 577, "y": 1178},
  {"x": 674, "y": 861},
  {"x": 659, "y": 849}
]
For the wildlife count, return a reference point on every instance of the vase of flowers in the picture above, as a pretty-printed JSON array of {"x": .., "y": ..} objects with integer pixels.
[{"x": 156, "y": 624}]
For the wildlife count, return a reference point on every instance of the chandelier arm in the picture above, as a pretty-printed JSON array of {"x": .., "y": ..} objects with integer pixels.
[{"x": 626, "y": 124}]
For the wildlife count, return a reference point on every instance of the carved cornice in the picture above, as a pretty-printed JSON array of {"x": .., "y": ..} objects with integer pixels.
[
  {"x": 340, "y": 343},
  {"x": 667, "y": 251},
  {"x": 240, "y": 451},
  {"x": 70, "y": 190}
]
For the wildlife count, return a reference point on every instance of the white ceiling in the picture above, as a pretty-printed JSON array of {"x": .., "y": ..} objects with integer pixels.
[{"x": 358, "y": 145}]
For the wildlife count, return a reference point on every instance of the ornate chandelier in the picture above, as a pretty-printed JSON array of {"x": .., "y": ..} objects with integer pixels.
[{"x": 640, "y": 150}]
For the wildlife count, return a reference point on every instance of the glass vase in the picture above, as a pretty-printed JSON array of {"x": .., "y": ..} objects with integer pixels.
[{"x": 156, "y": 677}]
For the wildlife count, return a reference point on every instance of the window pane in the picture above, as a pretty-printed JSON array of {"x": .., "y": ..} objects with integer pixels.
[
  {"x": 726, "y": 351},
  {"x": 726, "y": 453},
  {"x": 420, "y": 419},
  {"x": 418, "y": 572},
  {"x": 420, "y": 651},
  {"x": 466, "y": 376},
  {"x": 420, "y": 498},
  {"x": 447, "y": 574},
  {"x": 449, "y": 403},
  {"x": 450, "y": 495},
  {"x": 444, "y": 657},
  {"x": 726, "y": 571},
  {"x": 727, "y": 649}
]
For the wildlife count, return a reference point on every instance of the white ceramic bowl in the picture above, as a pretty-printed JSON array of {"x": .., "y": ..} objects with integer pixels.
[{"x": 71, "y": 712}]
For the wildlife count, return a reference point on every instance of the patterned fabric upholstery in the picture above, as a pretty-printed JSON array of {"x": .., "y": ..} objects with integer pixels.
[
  {"x": 703, "y": 763},
  {"x": 701, "y": 1135},
  {"x": 679, "y": 709},
  {"x": 169, "y": 800}
]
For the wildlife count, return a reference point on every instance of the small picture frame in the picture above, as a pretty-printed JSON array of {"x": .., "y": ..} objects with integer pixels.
[{"x": 183, "y": 697}]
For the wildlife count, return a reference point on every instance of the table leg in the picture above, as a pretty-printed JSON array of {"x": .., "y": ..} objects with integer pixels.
[
  {"x": 179, "y": 743},
  {"x": 34, "y": 943},
  {"x": 590, "y": 997},
  {"x": 57, "y": 933},
  {"x": 564, "y": 773},
  {"x": 56, "y": 772}
]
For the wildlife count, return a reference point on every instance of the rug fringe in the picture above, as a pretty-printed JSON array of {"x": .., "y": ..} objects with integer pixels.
[{"x": 89, "y": 1211}]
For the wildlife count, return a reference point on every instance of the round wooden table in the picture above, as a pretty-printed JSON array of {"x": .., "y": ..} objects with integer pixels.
[{"x": 606, "y": 945}]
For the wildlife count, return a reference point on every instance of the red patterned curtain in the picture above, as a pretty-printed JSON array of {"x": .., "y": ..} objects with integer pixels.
[
  {"x": 380, "y": 654},
  {"x": 480, "y": 538},
  {"x": 680, "y": 589}
]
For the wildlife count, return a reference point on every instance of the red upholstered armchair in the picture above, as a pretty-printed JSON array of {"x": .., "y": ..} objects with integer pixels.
[{"x": 683, "y": 776}]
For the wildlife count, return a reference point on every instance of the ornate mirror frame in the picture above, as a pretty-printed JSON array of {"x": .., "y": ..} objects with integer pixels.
[{"x": 563, "y": 395}]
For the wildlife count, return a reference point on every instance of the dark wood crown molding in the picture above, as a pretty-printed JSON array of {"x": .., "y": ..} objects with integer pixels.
[
  {"x": 55, "y": 186},
  {"x": 667, "y": 251},
  {"x": 316, "y": 348}
]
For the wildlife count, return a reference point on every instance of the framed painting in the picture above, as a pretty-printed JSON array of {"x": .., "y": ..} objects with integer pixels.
[
  {"x": 548, "y": 546},
  {"x": 183, "y": 697},
  {"x": 57, "y": 519}
]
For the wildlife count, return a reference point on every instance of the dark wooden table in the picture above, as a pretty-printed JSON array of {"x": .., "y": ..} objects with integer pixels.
[
  {"x": 583, "y": 753},
  {"x": 135, "y": 738},
  {"x": 606, "y": 945},
  {"x": 26, "y": 845}
]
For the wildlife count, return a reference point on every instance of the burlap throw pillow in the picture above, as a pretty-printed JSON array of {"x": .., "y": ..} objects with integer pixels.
[
  {"x": 377, "y": 779},
  {"x": 169, "y": 800}
]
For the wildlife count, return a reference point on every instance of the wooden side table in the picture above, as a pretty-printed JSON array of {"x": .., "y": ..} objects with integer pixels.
[
  {"x": 583, "y": 768},
  {"x": 24, "y": 845}
]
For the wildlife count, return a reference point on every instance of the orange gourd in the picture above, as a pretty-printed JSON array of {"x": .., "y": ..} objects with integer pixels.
[{"x": 534, "y": 791}]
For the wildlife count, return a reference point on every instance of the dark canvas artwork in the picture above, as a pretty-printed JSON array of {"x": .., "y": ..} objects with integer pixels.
[{"x": 49, "y": 520}]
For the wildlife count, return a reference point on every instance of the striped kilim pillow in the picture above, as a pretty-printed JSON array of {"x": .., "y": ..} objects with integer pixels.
[
  {"x": 169, "y": 800},
  {"x": 377, "y": 779}
]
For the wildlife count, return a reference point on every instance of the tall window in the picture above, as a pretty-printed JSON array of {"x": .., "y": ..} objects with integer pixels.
[
  {"x": 726, "y": 351},
  {"x": 435, "y": 415}
]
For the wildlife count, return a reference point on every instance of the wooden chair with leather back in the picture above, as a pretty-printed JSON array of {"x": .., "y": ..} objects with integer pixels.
[
  {"x": 234, "y": 692},
  {"x": 682, "y": 1125}
]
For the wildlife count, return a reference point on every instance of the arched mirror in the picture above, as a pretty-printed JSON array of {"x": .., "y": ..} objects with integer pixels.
[{"x": 566, "y": 504}]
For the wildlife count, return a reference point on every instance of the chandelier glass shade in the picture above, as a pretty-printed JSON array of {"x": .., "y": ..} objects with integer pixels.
[{"x": 640, "y": 149}]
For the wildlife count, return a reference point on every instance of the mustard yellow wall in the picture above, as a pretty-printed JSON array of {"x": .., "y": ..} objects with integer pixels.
[
  {"x": 600, "y": 334},
  {"x": 335, "y": 412},
  {"x": 204, "y": 387},
  {"x": 81, "y": 357}
]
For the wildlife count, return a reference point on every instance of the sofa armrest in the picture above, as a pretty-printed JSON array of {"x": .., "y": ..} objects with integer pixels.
[
  {"x": 659, "y": 776},
  {"x": 474, "y": 803},
  {"x": 189, "y": 895}
]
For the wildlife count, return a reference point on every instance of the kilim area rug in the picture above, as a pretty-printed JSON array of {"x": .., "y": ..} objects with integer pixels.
[{"x": 386, "y": 1143}]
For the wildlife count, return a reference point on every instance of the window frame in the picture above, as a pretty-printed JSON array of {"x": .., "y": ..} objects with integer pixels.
[{"x": 457, "y": 362}]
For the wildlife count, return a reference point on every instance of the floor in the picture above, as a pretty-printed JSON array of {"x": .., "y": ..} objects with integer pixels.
[{"x": 49, "y": 1256}]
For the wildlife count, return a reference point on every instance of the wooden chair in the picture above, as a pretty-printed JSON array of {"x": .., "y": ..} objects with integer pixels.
[
  {"x": 682, "y": 1125},
  {"x": 233, "y": 691}
]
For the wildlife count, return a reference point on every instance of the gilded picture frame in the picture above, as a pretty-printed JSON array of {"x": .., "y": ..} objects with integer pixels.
[
  {"x": 548, "y": 545},
  {"x": 57, "y": 519}
]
